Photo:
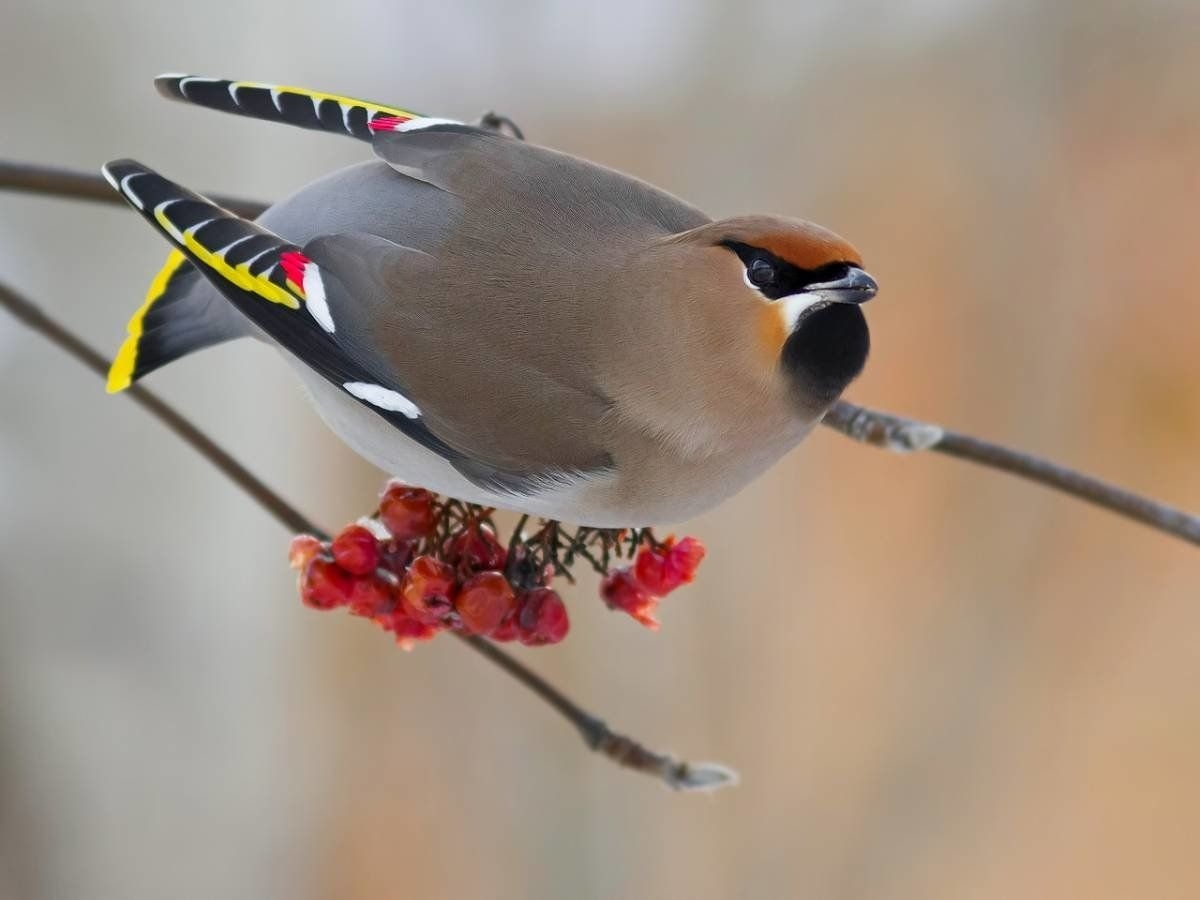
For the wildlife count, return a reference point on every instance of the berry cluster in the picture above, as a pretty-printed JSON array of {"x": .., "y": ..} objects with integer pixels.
[
  {"x": 656, "y": 572},
  {"x": 422, "y": 564}
]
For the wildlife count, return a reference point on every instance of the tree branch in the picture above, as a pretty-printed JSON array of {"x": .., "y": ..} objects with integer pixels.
[
  {"x": 902, "y": 435},
  {"x": 54, "y": 181},
  {"x": 868, "y": 426},
  {"x": 879, "y": 429},
  {"x": 596, "y": 734}
]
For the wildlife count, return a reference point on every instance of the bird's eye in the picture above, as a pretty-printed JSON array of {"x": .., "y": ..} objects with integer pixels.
[{"x": 762, "y": 273}]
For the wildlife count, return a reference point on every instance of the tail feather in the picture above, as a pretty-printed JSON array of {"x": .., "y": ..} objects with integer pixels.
[
  {"x": 301, "y": 107},
  {"x": 216, "y": 253},
  {"x": 182, "y": 312},
  {"x": 178, "y": 316}
]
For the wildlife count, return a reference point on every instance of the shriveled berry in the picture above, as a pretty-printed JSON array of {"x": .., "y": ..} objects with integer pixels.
[
  {"x": 302, "y": 550},
  {"x": 371, "y": 596},
  {"x": 428, "y": 590},
  {"x": 356, "y": 550},
  {"x": 408, "y": 631},
  {"x": 543, "y": 618},
  {"x": 621, "y": 590},
  {"x": 483, "y": 601},
  {"x": 407, "y": 512},
  {"x": 683, "y": 559},
  {"x": 660, "y": 570},
  {"x": 650, "y": 570},
  {"x": 474, "y": 548},
  {"x": 325, "y": 585}
]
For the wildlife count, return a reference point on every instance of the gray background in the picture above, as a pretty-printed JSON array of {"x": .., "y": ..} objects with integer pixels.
[{"x": 936, "y": 682}]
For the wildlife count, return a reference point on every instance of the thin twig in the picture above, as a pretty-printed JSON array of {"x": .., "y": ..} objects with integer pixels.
[
  {"x": 53, "y": 181},
  {"x": 283, "y": 511},
  {"x": 678, "y": 774},
  {"x": 902, "y": 435},
  {"x": 597, "y": 735}
]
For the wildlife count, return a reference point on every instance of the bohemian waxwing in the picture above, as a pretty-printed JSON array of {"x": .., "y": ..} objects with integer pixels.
[{"x": 506, "y": 324}]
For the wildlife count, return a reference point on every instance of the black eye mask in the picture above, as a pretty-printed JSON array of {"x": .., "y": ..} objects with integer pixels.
[{"x": 775, "y": 277}]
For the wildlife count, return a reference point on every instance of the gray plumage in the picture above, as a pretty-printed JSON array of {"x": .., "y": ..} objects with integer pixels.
[{"x": 572, "y": 337}]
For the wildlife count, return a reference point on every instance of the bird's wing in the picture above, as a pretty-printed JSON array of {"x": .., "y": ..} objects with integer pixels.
[{"x": 317, "y": 301}]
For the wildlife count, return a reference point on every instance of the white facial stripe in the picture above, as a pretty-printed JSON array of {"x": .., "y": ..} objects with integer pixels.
[
  {"x": 793, "y": 306},
  {"x": 314, "y": 299},
  {"x": 377, "y": 395}
]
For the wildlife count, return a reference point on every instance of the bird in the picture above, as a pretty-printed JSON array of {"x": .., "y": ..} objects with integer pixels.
[{"x": 505, "y": 323}]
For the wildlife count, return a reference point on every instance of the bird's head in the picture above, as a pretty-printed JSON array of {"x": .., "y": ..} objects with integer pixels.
[{"x": 790, "y": 292}]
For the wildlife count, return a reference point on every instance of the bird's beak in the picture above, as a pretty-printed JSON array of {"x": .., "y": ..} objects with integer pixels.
[{"x": 856, "y": 287}]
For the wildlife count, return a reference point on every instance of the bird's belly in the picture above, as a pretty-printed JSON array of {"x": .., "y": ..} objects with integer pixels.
[
  {"x": 658, "y": 487},
  {"x": 653, "y": 488}
]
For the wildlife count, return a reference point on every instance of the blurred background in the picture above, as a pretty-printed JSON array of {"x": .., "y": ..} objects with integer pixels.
[{"x": 934, "y": 680}]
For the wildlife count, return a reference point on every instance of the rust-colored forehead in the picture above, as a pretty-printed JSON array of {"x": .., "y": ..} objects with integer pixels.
[
  {"x": 801, "y": 243},
  {"x": 809, "y": 250}
]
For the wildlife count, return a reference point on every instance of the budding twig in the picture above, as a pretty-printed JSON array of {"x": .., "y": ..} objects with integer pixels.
[
  {"x": 902, "y": 435},
  {"x": 595, "y": 733}
]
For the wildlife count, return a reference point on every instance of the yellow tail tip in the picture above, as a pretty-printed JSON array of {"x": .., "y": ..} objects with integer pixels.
[{"x": 120, "y": 373}]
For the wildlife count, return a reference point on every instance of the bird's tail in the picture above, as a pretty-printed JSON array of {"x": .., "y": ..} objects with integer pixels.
[
  {"x": 181, "y": 313},
  {"x": 301, "y": 107}
]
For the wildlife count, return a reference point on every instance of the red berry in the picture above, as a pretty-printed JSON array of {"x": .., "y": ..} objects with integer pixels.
[
  {"x": 622, "y": 590},
  {"x": 483, "y": 601},
  {"x": 427, "y": 590},
  {"x": 507, "y": 630},
  {"x": 408, "y": 630},
  {"x": 650, "y": 571},
  {"x": 396, "y": 555},
  {"x": 371, "y": 596},
  {"x": 325, "y": 585},
  {"x": 683, "y": 559},
  {"x": 474, "y": 548},
  {"x": 356, "y": 550},
  {"x": 660, "y": 570},
  {"x": 543, "y": 618},
  {"x": 407, "y": 512},
  {"x": 302, "y": 550}
]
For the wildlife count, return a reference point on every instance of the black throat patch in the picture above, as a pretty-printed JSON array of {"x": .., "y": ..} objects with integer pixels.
[{"x": 827, "y": 350}]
